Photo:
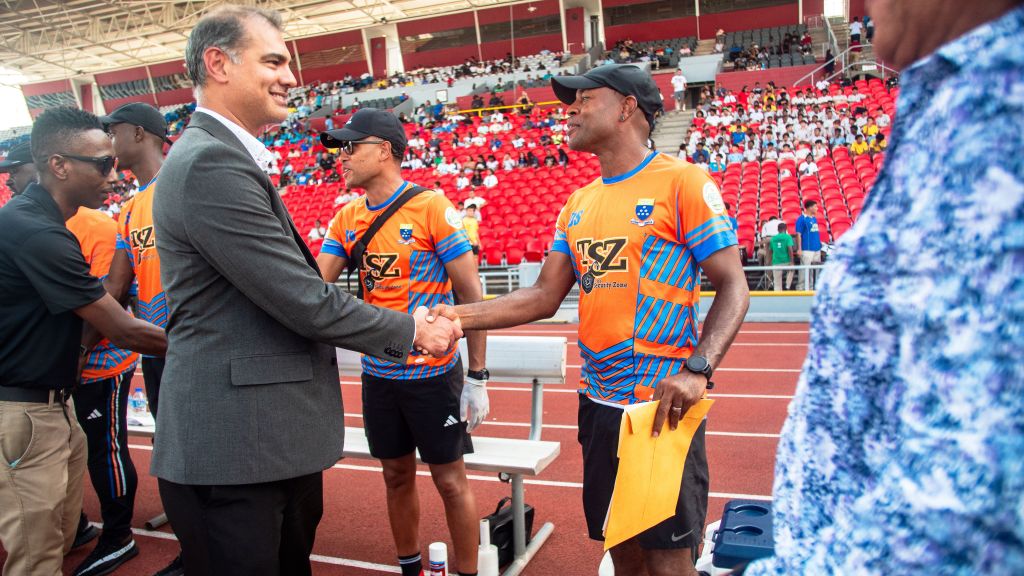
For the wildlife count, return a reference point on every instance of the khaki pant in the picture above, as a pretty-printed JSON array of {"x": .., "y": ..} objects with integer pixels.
[
  {"x": 807, "y": 277},
  {"x": 42, "y": 460},
  {"x": 777, "y": 276}
]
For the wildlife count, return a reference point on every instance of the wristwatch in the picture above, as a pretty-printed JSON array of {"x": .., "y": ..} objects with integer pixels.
[
  {"x": 700, "y": 365},
  {"x": 479, "y": 374}
]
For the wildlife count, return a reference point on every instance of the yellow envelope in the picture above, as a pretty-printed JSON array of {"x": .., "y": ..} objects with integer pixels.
[{"x": 650, "y": 470}]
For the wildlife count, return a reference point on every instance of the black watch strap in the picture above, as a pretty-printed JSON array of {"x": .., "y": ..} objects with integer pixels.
[{"x": 479, "y": 374}]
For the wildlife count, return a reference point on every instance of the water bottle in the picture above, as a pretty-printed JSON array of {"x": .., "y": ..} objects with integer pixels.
[
  {"x": 438, "y": 559},
  {"x": 487, "y": 562},
  {"x": 138, "y": 408}
]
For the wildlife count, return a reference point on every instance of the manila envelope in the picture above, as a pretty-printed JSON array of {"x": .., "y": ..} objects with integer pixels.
[{"x": 650, "y": 470}]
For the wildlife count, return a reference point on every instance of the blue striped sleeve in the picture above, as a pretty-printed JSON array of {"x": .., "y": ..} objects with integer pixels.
[
  {"x": 455, "y": 245},
  {"x": 561, "y": 243},
  {"x": 122, "y": 244},
  {"x": 710, "y": 237},
  {"x": 334, "y": 248}
]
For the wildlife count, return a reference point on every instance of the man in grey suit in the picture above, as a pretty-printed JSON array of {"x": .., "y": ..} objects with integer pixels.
[{"x": 250, "y": 404}]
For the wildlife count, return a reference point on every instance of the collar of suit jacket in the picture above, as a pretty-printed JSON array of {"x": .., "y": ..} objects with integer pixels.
[{"x": 263, "y": 157}]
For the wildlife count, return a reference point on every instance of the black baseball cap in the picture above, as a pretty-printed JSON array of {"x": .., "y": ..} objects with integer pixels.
[
  {"x": 368, "y": 122},
  {"x": 626, "y": 79},
  {"x": 139, "y": 114},
  {"x": 20, "y": 155}
]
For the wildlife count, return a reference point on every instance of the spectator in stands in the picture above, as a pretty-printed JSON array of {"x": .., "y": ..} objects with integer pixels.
[
  {"x": 471, "y": 225},
  {"x": 563, "y": 157},
  {"x": 808, "y": 167},
  {"x": 679, "y": 89},
  {"x": 495, "y": 100},
  {"x": 781, "y": 246},
  {"x": 856, "y": 28},
  {"x": 491, "y": 180},
  {"x": 20, "y": 168},
  {"x": 701, "y": 156},
  {"x": 879, "y": 144},
  {"x": 808, "y": 242},
  {"x": 317, "y": 232},
  {"x": 716, "y": 166},
  {"x": 859, "y": 146}
]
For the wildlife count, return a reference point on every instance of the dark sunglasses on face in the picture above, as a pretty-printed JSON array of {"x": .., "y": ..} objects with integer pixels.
[
  {"x": 348, "y": 146},
  {"x": 104, "y": 163}
]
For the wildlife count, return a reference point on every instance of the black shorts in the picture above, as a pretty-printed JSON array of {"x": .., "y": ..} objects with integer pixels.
[
  {"x": 599, "y": 436},
  {"x": 401, "y": 416}
]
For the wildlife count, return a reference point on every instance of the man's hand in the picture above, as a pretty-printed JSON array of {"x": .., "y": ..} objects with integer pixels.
[
  {"x": 435, "y": 338},
  {"x": 444, "y": 311},
  {"x": 474, "y": 403},
  {"x": 677, "y": 394}
]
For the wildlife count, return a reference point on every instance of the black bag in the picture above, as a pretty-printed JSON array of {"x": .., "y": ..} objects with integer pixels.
[
  {"x": 355, "y": 261},
  {"x": 501, "y": 530}
]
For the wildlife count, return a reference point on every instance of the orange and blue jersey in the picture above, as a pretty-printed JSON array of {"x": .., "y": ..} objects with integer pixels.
[
  {"x": 404, "y": 265},
  {"x": 636, "y": 242},
  {"x": 97, "y": 233},
  {"x": 136, "y": 235}
]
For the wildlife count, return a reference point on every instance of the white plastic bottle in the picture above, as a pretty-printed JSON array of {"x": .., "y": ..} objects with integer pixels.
[
  {"x": 438, "y": 555},
  {"x": 138, "y": 407},
  {"x": 487, "y": 563}
]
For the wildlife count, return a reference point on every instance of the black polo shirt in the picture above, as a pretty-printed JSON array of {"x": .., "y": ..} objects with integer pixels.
[{"x": 43, "y": 279}]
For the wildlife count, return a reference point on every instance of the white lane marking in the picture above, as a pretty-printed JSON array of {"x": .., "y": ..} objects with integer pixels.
[
  {"x": 314, "y": 557},
  {"x": 515, "y": 331},
  {"x": 574, "y": 427}
]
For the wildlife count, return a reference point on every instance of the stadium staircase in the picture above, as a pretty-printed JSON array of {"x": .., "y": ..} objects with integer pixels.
[
  {"x": 705, "y": 47},
  {"x": 671, "y": 130}
]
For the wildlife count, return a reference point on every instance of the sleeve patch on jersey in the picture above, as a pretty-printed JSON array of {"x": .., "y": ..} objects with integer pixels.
[
  {"x": 453, "y": 218},
  {"x": 713, "y": 198}
]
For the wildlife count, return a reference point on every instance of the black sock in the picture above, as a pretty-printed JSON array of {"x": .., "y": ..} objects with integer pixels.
[
  {"x": 411, "y": 565},
  {"x": 467, "y": 573}
]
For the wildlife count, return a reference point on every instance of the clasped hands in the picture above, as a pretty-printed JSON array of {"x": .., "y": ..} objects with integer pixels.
[{"x": 436, "y": 334}]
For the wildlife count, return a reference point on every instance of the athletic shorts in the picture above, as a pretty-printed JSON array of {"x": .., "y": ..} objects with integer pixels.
[
  {"x": 401, "y": 416},
  {"x": 599, "y": 436}
]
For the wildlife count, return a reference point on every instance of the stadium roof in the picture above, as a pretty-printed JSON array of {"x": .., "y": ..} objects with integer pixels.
[{"x": 49, "y": 40}]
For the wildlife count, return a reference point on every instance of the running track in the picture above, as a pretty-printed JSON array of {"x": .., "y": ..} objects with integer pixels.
[{"x": 753, "y": 388}]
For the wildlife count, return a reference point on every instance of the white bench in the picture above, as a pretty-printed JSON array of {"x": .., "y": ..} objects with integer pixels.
[{"x": 510, "y": 359}]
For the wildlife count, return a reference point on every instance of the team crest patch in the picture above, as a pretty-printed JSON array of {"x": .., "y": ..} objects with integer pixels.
[
  {"x": 405, "y": 231},
  {"x": 713, "y": 198},
  {"x": 350, "y": 235},
  {"x": 453, "y": 218},
  {"x": 644, "y": 209}
]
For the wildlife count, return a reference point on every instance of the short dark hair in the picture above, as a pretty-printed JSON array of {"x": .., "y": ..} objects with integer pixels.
[
  {"x": 222, "y": 28},
  {"x": 782, "y": 226},
  {"x": 809, "y": 203},
  {"x": 55, "y": 127}
]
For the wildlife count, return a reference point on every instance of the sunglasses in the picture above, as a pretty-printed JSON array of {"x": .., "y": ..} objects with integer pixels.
[
  {"x": 104, "y": 163},
  {"x": 348, "y": 146}
]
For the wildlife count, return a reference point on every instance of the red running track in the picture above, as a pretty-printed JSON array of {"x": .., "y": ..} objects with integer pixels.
[{"x": 753, "y": 389}]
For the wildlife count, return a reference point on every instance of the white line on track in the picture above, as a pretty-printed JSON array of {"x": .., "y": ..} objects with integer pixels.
[
  {"x": 314, "y": 557},
  {"x": 515, "y": 331},
  {"x": 574, "y": 427},
  {"x": 752, "y": 344},
  {"x": 573, "y": 390}
]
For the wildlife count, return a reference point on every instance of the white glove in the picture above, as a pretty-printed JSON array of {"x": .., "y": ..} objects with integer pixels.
[{"x": 474, "y": 403}]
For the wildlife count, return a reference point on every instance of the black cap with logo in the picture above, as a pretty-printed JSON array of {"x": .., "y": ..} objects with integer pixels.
[
  {"x": 368, "y": 122},
  {"x": 139, "y": 114},
  {"x": 19, "y": 155},
  {"x": 626, "y": 79}
]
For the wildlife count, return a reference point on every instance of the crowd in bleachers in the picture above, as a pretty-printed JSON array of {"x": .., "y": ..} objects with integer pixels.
[
  {"x": 660, "y": 53},
  {"x": 764, "y": 48},
  {"x": 773, "y": 148}
]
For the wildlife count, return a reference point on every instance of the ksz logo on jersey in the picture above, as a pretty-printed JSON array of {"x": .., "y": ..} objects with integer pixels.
[
  {"x": 600, "y": 257},
  {"x": 405, "y": 231},
  {"x": 644, "y": 209},
  {"x": 377, "y": 267},
  {"x": 142, "y": 238}
]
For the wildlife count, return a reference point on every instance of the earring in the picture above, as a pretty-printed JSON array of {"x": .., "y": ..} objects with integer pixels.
[{"x": 622, "y": 117}]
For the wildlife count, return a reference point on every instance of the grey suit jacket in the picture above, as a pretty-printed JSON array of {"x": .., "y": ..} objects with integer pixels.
[{"x": 250, "y": 392}]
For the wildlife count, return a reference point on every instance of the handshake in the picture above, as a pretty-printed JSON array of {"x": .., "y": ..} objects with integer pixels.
[{"x": 437, "y": 330}]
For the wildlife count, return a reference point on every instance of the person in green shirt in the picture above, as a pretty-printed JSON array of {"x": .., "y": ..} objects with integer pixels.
[{"x": 782, "y": 255}]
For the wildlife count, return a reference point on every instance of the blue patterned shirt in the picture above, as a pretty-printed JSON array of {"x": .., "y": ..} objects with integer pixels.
[{"x": 903, "y": 452}]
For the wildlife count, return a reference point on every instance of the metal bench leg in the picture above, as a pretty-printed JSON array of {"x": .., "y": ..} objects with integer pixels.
[
  {"x": 523, "y": 553},
  {"x": 156, "y": 522}
]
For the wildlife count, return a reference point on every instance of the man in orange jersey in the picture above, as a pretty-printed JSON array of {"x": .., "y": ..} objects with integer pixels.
[
  {"x": 635, "y": 241},
  {"x": 415, "y": 259},
  {"x": 138, "y": 133},
  {"x": 101, "y": 405}
]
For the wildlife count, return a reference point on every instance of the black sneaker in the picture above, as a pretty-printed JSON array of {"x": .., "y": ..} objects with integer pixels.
[
  {"x": 86, "y": 532},
  {"x": 107, "y": 557},
  {"x": 175, "y": 568}
]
